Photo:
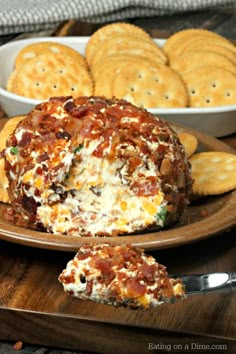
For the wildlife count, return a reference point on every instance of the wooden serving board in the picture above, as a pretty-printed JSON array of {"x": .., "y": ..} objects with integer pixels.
[{"x": 34, "y": 308}]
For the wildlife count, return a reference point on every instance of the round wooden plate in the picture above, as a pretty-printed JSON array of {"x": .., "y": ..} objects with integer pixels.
[{"x": 204, "y": 218}]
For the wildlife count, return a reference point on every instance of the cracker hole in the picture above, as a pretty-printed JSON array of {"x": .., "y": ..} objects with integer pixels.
[
  {"x": 61, "y": 71},
  {"x": 228, "y": 94},
  {"x": 193, "y": 92},
  {"x": 140, "y": 76},
  {"x": 166, "y": 97},
  {"x": 149, "y": 93},
  {"x": 156, "y": 79},
  {"x": 132, "y": 89},
  {"x": 54, "y": 86},
  {"x": 213, "y": 85},
  {"x": 72, "y": 89},
  {"x": 208, "y": 100},
  {"x": 37, "y": 84},
  {"x": 43, "y": 69}
]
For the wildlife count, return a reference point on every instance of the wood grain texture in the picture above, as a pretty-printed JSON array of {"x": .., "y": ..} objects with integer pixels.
[{"x": 35, "y": 309}]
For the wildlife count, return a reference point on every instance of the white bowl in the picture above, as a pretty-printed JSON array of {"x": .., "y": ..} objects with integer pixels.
[{"x": 216, "y": 121}]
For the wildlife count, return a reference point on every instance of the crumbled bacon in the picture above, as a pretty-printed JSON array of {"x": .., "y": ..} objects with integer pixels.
[
  {"x": 121, "y": 275},
  {"x": 89, "y": 287},
  {"x": 18, "y": 345},
  {"x": 43, "y": 157},
  {"x": 150, "y": 186},
  {"x": 49, "y": 138}
]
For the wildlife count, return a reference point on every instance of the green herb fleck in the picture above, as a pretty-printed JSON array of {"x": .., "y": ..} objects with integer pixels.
[
  {"x": 14, "y": 150},
  {"x": 78, "y": 148},
  {"x": 162, "y": 214}
]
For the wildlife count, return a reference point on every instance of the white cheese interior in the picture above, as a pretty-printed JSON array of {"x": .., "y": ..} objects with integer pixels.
[{"x": 99, "y": 196}]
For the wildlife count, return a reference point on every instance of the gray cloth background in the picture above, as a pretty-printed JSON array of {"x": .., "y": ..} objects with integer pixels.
[{"x": 30, "y": 15}]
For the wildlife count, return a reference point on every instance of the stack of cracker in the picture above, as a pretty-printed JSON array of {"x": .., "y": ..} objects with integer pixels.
[
  {"x": 195, "y": 68},
  {"x": 206, "y": 62},
  {"x": 127, "y": 63}
]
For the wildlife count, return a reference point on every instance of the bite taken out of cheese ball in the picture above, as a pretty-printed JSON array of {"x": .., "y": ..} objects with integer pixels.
[{"x": 93, "y": 166}]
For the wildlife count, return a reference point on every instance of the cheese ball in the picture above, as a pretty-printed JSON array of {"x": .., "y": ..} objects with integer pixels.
[{"x": 93, "y": 166}]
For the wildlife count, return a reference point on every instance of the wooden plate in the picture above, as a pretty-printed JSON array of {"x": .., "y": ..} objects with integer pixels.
[{"x": 204, "y": 218}]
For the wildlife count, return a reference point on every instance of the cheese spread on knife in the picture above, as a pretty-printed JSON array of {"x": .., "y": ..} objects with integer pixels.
[
  {"x": 119, "y": 276},
  {"x": 95, "y": 167}
]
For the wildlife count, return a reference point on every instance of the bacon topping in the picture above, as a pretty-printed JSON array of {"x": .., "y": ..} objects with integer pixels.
[{"x": 138, "y": 149}]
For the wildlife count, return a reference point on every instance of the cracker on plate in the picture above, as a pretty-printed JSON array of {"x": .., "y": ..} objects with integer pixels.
[
  {"x": 189, "y": 141},
  {"x": 8, "y": 128},
  {"x": 213, "y": 172}
]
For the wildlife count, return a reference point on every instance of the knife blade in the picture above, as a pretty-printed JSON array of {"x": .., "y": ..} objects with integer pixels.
[{"x": 196, "y": 284}]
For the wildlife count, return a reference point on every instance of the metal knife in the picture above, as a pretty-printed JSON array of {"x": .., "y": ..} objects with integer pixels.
[{"x": 196, "y": 284}]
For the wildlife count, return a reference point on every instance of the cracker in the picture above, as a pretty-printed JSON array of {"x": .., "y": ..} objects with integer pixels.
[
  {"x": 50, "y": 75},
  {"x": 109, "y": 30},
  {"x": 11, "y": 86},
  {"x": 189, "y": 141},
  {"x": 179, "y": 37},
  {"x": 212, "y": 47},
  {"x": 101, "y": 65},
  {"x": 190, "y": 61},
  {"x": 104, "y": 78},
  {"x": 4, "y": 197},
  {"x": 210, "y": 86},
  {"x": 33, "y": 50},
  {"x": 129, "y": 43},
  {"x": 176, "y": 43},
  {"x": 150, "y": 86},
  {"x": 213, "y": 172},
  {"x": 195, "y": 42},
  {"x": 7, "y": 130}
]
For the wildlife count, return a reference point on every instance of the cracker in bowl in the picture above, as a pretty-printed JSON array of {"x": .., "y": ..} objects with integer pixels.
[
  {"x": 51, "y": 74},
  {"x": 182, "y": 40},
  {"x": 192, "y": 60},
  {"x": 129, "y": 44},
  {"x": 108, "y": 31},
  {"x": 150, "y": 86},
  {"x": 31, "y": 51},
  {"x": 210, "y": 86}
]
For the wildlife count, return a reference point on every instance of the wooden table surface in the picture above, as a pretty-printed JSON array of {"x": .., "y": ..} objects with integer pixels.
[{"x": 35, "y": 310}]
